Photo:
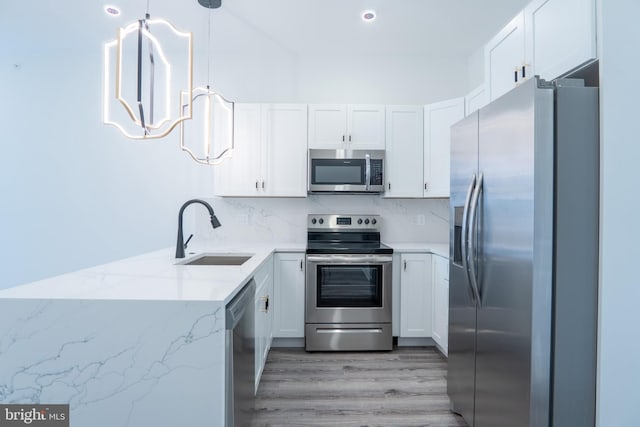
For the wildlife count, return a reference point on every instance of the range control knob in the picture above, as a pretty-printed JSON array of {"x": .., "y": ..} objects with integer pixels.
[
  {"x": 359, "y": 220},
  {"x": 366, "y": 221},
  {"x": 373, "y": 221},
  {"x": 321, "y": 221},
  {"x": 313, "y": 221}
]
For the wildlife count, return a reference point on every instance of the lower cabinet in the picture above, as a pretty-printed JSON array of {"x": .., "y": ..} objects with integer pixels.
[
  {"x": 289, "y": 295},
  {"x": 264, "y": 316},
  {"x": 440, "y": 321},
  {"x": 415, "y": 295}
]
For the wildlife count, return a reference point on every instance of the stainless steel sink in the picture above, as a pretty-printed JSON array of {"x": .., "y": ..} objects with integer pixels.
[{"x": 218, "y": 259}]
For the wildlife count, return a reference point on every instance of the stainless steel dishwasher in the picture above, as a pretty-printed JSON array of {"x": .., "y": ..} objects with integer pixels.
[{"x": 240, "y": 357}]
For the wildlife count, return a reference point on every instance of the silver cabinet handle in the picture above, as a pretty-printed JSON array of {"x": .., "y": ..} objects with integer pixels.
[
  {"x": 300, "y": 265},
  {"x": 256, "y": 185},
  {"x": 473, "y": 238},
  {"x": 389, "y": 186},
  {"x": 349, "y": 138},
  {"x": 465, "y": 236},
  {"x": 263, "y": 185},
  {"x": 405, "y": 265},
  {"x": 342, "y": 138}
]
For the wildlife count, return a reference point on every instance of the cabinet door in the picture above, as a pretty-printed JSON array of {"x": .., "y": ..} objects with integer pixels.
[
  {"x": 403, "y": 162},
  {"x": 438, "y": 119},
  {"x": 441, "y": 302},
  {"x": 561, "y": 34},
  {"x": 285, "y": 139},
  {"x": 263, "y": 318},
  {"x": 327, "y": 126},
  {"x": 366, "y": 127},
  {"x": 288, "y": 303},
  {"x": 475, "y": 100},
  {"x": 415, "y": 295},
  {"x": 240, "y": 175},
  {"x": 504, "y": 57}
]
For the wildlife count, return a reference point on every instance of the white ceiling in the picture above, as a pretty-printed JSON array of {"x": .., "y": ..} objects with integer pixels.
[{"x": 300, "y": 27}]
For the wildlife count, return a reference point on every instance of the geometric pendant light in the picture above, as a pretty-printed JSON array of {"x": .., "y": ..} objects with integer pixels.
[
  {"x": 208, "y": 138},
  {"x": 148, "y": 74}
]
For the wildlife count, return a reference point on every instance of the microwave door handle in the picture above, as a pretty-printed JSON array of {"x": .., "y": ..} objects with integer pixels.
[{"x": 367, "y": 171}]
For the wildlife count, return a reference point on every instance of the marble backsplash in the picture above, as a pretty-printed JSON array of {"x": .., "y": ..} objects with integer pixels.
[{"x": 283, "y": 220}]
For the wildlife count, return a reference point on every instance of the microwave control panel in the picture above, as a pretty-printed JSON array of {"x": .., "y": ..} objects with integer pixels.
[{"x": 376, "y": 172}]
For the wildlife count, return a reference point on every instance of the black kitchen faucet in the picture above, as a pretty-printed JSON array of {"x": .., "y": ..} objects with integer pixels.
[{"x": 180, "y": 245}]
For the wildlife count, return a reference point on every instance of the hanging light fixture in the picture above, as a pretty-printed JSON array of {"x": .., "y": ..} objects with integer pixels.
[
  {"x": 143, "y": 95},
  {"x": 212, "y": 111}
]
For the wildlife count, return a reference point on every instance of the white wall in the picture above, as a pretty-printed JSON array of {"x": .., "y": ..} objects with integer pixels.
[
  {"x": 379, "y": 79},
  {"x": 74, "y": 192},
  {"x": 475, "y": 69},
  {"x": 619, "y": 317}
]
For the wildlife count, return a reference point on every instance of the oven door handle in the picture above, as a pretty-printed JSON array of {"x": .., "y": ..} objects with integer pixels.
[{"x": 367, "y": 259}]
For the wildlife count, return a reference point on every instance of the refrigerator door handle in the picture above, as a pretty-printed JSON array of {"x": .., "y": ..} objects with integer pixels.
[
  {"x": 473, "y": 214},
  {"x": 465, "y": 235}
]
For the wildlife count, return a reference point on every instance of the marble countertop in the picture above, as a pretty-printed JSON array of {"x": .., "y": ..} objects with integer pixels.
[
  {"x": 155, "y": 276},
  {"x": 441, "y": 249}
]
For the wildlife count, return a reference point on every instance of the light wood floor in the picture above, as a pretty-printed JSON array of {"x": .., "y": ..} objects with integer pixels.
[{"x": 405, "y": 387}]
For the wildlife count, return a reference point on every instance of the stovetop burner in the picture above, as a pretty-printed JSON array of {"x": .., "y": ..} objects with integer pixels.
[{"x": 344, "y": 234}]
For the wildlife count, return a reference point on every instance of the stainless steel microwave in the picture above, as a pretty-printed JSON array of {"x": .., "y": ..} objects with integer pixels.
[{"x": 346, "y": 171}]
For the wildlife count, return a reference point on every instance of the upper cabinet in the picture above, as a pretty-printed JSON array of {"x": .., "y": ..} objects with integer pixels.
[
  {"x": 548, "y": 39},
  {"x": 403, "y": 167},
  {"x": 560, "y": 35},
  {"x": 504, "y": 58},
  {"x": 285, "y": 142},
  {"x": 475, "y": 100},
  {"x": 438, "y": 119},
  {"x": 352, "y": 127},
  {"x": 239, "y": 175},
  {"x": 270, "y": 153}
]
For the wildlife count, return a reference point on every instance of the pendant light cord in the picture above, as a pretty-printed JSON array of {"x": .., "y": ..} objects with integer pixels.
[{"x": 209, "y": 49}]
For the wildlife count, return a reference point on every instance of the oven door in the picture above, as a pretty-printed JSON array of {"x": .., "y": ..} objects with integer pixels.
[{"x": 348, "y": 289}]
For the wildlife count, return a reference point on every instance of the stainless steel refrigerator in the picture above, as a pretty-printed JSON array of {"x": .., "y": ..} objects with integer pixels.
[{"x": 524, "y": 255}]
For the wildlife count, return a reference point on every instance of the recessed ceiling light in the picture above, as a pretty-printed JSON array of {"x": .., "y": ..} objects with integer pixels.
[
  {"x": 369, "y": 15},
  {"x": 111, "y": 10}
]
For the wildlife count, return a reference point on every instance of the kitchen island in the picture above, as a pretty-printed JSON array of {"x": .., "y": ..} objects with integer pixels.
[{"x": 138, "y": 342}]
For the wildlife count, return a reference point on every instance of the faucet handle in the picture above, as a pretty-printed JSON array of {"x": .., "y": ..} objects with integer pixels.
[{"x": 187, "y": 242}]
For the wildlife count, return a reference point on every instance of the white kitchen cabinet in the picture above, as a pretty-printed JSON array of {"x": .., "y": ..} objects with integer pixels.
[
  {"x": 263, "y": 316},
  {"x": 438, "y": 118},
  {"x": 270, "y": 153},
  {"x": 440, "y": 269},
  {"x": 403, "y": 160},
  {"x": 475, "y": 100},
  {"x": 504, "y": 58},
  {"x": 288, "y": 304},
  {"x": 355, "y": 127},
  {"x": 415, "y": 295},
  {"x": 238, "y": 175},
  {"x": 285, "y": 150},
  {"x": 548, "y": 38},
  {"x": 560, "y": 35}
]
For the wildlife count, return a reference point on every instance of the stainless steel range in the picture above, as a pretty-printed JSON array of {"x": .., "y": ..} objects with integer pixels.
[{"x": 348, "y": 284}]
